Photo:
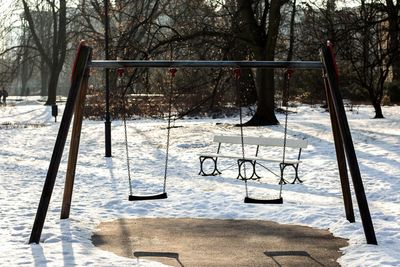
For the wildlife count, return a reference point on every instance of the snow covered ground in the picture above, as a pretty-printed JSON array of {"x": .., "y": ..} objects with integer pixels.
[{"x": 27, "y": 136}]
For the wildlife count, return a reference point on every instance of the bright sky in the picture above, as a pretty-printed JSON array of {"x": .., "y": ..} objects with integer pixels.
[{"x": 4, "y": 4}]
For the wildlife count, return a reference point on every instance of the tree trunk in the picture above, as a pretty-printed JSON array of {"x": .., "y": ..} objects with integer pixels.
[
  {"x": 52, "y": 87},
  {"x": 24, "y": 75},
  {"x": 263, "y": 45},
  {"x": 265, "y": 113},
  {"x": 44, "y": 78},
  {"x": 247, "y": 89},
  {"x": 378, "y": 111},
  {"x": 394, "y": 28}
]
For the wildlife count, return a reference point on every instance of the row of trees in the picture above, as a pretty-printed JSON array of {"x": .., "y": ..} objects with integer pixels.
[{"x": 366, "y": 38}]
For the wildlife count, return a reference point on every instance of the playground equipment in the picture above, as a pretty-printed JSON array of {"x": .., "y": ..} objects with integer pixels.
[
  {"x": 243, "y": 160},
  {"x": 162, "y": 195},
  {"x": 345, "y": 152}
]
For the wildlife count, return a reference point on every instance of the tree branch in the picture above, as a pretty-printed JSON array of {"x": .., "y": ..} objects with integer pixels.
[{"x": 39, "y": 46}]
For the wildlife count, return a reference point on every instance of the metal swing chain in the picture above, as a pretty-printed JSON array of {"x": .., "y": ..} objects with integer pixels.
[
  {"x": 127, "y": 153},
  {"x": 237, "y": 76},
  {"x": 120, "y": 73},
  {"x": 288, "y": 75},
  {"x": 172, "y": 71},
  {"x": 126, "y": 136}
]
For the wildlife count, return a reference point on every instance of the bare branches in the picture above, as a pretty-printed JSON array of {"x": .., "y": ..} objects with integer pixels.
[{"x": 28, "y": 17}]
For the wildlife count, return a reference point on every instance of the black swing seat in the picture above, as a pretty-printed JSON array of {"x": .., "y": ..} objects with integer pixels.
[
  {"x": 149, "y": 197},
  {"x": 263, "y": 201}
]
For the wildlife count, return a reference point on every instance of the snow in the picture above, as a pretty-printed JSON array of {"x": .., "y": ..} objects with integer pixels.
[{"x": 28, "y": 133}]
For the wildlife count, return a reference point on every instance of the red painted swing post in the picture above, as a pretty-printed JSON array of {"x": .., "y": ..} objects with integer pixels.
[
  {"x": 344, "y": 139},
  {"x": 80, "y": 67}
]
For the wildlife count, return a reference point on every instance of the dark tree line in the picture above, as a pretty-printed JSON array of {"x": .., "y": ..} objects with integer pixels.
[{"x": 366, "y": 39}]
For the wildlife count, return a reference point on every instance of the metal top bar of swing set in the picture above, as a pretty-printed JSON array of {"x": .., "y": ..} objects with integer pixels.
[{"x": 204, "y": 64}]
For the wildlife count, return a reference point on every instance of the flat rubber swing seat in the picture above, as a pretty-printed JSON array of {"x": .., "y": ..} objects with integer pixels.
[
  {"x": 150, "y": 197},
  {"x": 263, "y": 201}
]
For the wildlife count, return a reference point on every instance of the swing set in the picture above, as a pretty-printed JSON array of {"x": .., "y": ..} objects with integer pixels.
[
  {"x": 163, "y": 195},
  {"x": 345, "y": 153},
  {"x": 241, "y": 162}
]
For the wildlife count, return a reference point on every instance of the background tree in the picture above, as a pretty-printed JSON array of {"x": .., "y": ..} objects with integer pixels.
[
  {"x": 9, "y": 49},
  {"x": 367, "y": 51},
  {"x": 362, "y": 42},
  {"x": 217, "y": 30},
  {"x": 392, "y": 11},
  {"x": 25, "y": 61},
  {"x": 259, "y": 23},
  {"x": 54, "y": 58}
]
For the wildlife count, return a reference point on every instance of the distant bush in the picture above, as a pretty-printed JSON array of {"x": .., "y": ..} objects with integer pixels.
[
  {"x": 393, "y": 90},
  {"x": 386, "y": 100}
]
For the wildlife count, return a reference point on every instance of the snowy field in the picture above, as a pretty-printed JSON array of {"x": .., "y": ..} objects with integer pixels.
[{"x": 27, "y": 136}]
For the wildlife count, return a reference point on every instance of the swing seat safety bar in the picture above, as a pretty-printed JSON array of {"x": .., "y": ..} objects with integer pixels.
[
  {"x": 263, "y": 201},
  {"x": 150, "y": 197}
]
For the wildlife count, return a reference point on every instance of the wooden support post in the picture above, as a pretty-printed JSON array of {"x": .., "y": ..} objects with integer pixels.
[
  {"x": 74, "y": 147},
  {"x": 330, "y": 67},
  {"x": 340, "y": 156},
  {"x": 81, "y": 61}
]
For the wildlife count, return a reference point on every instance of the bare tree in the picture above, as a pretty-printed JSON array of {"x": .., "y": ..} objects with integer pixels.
[
  {"x": 392, "y": 10},
  {"x": 25, "y": 60},
  {"x": 9, "y": 49},
  {"x": 367, "y": 51},
  {"x": 237, "y": 29},
  {"x": 55, "y": 56},
  {"x": 259, "y": 23}
]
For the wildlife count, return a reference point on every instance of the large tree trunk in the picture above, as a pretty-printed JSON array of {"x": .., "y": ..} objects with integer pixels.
[
  {"x": 378, "y": 110},
  {"x": 52, "y": 85},
  {"x": 264, "y": 44},
  {"x": 265, "y": 113}
]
